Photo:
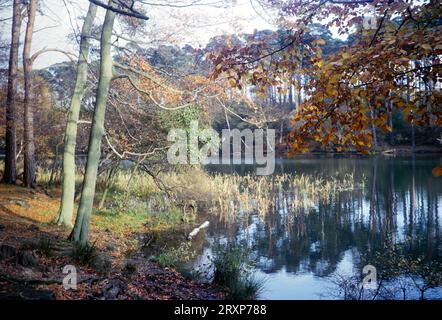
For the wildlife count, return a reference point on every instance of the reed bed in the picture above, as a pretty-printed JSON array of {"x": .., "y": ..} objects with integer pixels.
[
  {"x": 233, "y": 196},
  {"x": 227, "y": 196}
]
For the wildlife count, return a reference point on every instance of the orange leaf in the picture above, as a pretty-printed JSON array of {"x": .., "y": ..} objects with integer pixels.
[{"x": 437, "y": 172}]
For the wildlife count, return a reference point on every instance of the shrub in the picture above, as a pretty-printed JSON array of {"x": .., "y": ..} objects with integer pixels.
[
  {"x": 176, "y": 257},
  {"x": 234, "y": 270}
]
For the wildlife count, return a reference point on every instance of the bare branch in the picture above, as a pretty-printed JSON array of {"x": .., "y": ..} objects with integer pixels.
[
  {"x": 131, "y": 13},
  {"x": 44, "y": 50}
]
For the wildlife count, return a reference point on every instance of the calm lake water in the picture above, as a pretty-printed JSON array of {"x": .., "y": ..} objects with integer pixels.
[{"x": 392, "y": 221}]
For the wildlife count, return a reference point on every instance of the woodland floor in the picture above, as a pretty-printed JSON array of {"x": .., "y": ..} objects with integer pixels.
[{"x": 28, "y": 271}]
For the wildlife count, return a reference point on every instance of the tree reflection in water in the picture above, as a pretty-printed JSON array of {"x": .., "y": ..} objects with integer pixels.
[{"x": 392, "y": 222}]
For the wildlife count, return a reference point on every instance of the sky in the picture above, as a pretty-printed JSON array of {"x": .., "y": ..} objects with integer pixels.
[{"x": 193, "y": 24}]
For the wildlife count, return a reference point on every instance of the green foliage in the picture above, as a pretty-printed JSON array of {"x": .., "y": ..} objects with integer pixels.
[
  {"x": 234, "y": 269},
  {"x": 171, "y": 216},
  {"x": 139, "y": 185},
  {"x": 180, "y": 118},
  {"x": 176, "y": 257},
  {"x": 401, "y": 271},
  {"x": 187, "y": 119},
  {"x": 120, "y": 221}
]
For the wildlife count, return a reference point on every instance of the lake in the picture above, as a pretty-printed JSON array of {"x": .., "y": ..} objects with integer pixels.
[{"x": 391, "y": 221}]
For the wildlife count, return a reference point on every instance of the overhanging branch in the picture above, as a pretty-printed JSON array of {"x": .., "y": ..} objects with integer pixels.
[{"x": 131, "y": 13}]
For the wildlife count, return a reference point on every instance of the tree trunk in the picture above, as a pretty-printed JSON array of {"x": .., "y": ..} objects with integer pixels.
[
  {"x": 10, "y": 175},
  {"x": 291, "y": 97},
  {"x": 413, "y": 138},
  {"x": 281, "y": 131},
  {"x": 390, "y": 122},
  {"x": 81, "y": 228},
  {"x": 68, "y": 188},
  {"x": 373, "y": 130},
  {"x": 28, "y": 125}
]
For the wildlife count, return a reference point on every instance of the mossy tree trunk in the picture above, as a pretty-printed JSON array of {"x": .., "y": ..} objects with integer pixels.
[
  {"x": 28, "y": 105},
  {"x": 68, "y": 188},
  {"x": 10, "y": 175},
  {"x": 80, "y": 232}
]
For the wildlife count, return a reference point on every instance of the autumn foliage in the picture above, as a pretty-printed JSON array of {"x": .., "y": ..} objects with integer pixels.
[{"x": 393, "y": 64}]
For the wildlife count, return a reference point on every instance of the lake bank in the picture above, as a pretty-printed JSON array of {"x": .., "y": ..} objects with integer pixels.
[
  {"x": 403, "y": 150},
  {"x": 308, "y": 229},
  {"x": 33, "y": 253}
]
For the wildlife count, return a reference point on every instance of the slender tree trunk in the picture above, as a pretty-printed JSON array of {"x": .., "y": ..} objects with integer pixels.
[
  {"x": 68, "y": 189},
  {"x": 281, "y": 131},
  {"x": 299, "y": 93},
  {"x": 390, "y": 121},
  {"x": 299, "y": 80},
  {"x": 10, "y": 175},
  {"x": 373, "y": 130},
  {"x": 81, "y": 228},
  {"x": 413, "y": 138},
  {"x": 29, "y": 149},
  {"x": 291, "y": 96}
]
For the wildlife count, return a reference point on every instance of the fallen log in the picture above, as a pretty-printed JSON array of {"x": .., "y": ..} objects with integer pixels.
[{"x": 197, "y": 230}]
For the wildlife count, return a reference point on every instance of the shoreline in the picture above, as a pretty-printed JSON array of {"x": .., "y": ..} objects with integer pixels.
[
  {"x": 29, "y": 270},
  {"x": 383, "y": 150}
]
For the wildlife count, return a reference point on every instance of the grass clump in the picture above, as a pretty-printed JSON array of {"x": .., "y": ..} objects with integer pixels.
[
  {"x": 176, "y": 257},
  {"x": 234, "y": 269},
  {"x": 84, "y": 254},
  {"x": 168, "y": 215}
]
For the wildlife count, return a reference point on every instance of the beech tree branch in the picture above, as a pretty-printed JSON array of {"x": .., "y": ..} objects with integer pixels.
[{"x": 131, "y": 13}]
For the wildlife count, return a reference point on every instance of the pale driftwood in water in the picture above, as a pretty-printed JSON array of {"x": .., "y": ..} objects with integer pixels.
[{"x": 196, "y": 230}]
